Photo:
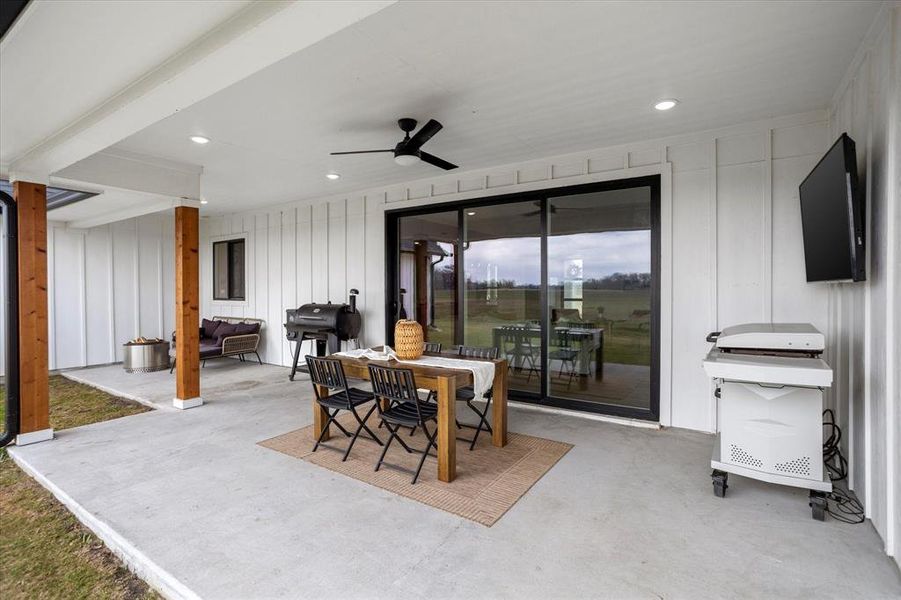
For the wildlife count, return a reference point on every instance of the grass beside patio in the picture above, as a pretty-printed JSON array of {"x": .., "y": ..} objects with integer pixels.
[{"x": 44, "y": 551}]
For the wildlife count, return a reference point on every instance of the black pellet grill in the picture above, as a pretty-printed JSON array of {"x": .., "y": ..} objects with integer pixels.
[{"x": 327, "y": 324}]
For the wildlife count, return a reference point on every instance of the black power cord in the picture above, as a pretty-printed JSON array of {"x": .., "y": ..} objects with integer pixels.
[{"x": 844, "y": 505}]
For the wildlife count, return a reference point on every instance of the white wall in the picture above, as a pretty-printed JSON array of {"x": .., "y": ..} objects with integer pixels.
[
  {"x": 109, "y": 284},
  {"x": 731, "y": 242},
  {"x": 864, "y": 319}
]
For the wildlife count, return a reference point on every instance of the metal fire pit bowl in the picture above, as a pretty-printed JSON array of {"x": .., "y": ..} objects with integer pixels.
[{"x": 146, "y": 358}]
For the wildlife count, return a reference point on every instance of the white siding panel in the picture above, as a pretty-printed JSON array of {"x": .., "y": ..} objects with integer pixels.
[
  {"x": 691, "y": 265},
  {"x": 99, "y": 324},
  {"x": 68, "y": 283},
  {"x": 740, "y": 244}
]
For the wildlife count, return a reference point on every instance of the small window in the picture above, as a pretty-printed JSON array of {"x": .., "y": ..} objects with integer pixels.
[{"x": 228, "y": 270}]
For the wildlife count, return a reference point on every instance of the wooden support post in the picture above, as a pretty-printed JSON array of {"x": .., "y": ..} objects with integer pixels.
[
  {"x": 187, "y": 307},
  {"x": 34, "y": 375},
  {"x": 421, "y": 258}
]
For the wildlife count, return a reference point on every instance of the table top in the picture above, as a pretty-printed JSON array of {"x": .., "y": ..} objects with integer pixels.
[{"x": 462, "y": 376}]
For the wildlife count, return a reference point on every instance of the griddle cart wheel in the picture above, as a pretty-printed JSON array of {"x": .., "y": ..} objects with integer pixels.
[
  {"x": 818, "y": 505},
  {"x": 720, "y": 483}
]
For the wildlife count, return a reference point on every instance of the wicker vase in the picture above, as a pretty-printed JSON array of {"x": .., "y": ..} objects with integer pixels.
[{"x": 408, "y": 340}]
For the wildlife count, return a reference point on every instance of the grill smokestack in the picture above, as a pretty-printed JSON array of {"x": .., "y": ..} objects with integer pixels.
[{"x": 353, "y": 299}]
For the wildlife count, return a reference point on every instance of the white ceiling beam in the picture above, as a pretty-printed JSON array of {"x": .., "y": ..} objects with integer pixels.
[
  {"x": 149, "y": 205},
  {"x": 258, "y": 36},
  {"x": 134, "y": 172}
]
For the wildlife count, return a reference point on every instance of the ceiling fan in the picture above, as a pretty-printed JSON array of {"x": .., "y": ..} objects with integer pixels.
[
  {"x": 554, "y": 209},
  {"x": 408, "y": 150}
]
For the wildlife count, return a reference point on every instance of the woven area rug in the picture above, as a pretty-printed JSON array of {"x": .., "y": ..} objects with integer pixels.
[{"x": 489, "y": 480}]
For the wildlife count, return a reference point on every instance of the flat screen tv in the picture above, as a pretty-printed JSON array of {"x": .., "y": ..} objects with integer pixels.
[{"x": 832, "y": 217}]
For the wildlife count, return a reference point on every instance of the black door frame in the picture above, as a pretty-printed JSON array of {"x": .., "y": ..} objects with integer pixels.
[{"x": 392, "y": 271}]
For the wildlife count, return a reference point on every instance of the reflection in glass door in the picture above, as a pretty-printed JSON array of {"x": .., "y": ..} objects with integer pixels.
[
  {"x": 599, "y": 297},
  {"x": 563, "y": 282},
  {"x": 428, "y": 274},
  {"x": 502, "y": 267}
]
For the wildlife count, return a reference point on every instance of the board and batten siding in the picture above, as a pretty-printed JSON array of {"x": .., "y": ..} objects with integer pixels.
[
  {"x": 107, "y": 285},
  {"x": 731, "y": 243},
  {"x": 864, "y": 319}
]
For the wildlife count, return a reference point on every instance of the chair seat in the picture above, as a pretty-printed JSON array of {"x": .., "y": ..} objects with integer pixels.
[
  {"x": 405, "y": 414},
  {"x": 563, "y": 354},
  {"x": 468, "y": 393},
  {"x": 339, "y": 399}
]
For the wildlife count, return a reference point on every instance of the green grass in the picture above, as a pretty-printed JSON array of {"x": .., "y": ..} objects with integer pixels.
[
  {"x": 626, "y": 341},
  {"x": 44, "y": 551}
]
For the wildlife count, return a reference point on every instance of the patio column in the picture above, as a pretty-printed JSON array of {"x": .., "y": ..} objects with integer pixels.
[
  {"x": 421, "y": 258},
  {"x": 34, "y": 376},
  {"x": 187, "y": 308}
]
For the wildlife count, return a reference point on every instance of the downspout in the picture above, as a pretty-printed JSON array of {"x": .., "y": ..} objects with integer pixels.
[{"x": 12, "y": 319}]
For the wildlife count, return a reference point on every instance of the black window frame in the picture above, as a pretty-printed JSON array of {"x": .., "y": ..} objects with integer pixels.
[
  {"x": 654, "y": 182},
  {"x": 231, "y": 244}
]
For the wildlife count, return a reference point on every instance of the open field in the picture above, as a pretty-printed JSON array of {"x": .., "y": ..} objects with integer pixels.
[
  {"x": 44, "y": 551},
  {"x": 626, "y": 340}
]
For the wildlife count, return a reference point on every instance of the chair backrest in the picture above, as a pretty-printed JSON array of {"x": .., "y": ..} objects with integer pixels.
[
  {"x": 433, "y": 347},
  {"x": 562, "y": 338},
  {"x": 477, "y": 352},
  {"x": 394, "y": 385},
  {"x": 517, "y": 340},
  {"x": 326, "y": 372}
]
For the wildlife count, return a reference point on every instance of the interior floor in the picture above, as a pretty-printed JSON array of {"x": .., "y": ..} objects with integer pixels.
[
  {"x": 194, "y": 493},
  {"x": 620, "y": 385}
]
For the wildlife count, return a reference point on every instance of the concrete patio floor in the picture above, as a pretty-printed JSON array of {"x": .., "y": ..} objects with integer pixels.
[{"x": 200, "y": 510}]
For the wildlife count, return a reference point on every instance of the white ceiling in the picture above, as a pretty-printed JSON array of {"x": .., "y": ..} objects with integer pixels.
[
  {"x": 63, "y": 59},
  {"x": 510, "y": 82}
]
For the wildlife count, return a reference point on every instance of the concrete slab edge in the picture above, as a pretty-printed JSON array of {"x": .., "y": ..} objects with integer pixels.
[
  {"x": 118, "y": 393},
  {"x": 136, "y": 561}
]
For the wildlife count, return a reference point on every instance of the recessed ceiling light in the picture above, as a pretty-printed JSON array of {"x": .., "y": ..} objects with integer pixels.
[
  {"x": 333, "y": 176},
  {"x": 204, "y": 202},
  {"x": 666, "y": 104},
  {"x": 199, "y": 139},
  {"x": 471, "y": 213}
]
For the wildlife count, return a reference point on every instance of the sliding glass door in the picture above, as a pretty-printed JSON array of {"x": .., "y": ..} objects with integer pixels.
[
  {"x": 563, "y": 282},
  {"x": 502, "y": 267}
]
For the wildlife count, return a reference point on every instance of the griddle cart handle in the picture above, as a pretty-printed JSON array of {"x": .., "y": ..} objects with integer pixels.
[{"x": 711, "y": 337}]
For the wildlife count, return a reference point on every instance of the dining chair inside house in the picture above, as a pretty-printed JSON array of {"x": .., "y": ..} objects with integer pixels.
[
  {"x": 328, "y": 374},
  {"x": 467, "y": 394},
  {"x": 399, "y": 405},
  {"x": 519, "y": 350},
  {"x": 565, "y": 352},
  {"x": 431, "y": 347}
]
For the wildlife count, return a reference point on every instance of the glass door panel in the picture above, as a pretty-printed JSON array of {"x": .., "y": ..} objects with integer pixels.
[
  {"x": 502, "y": 292},
  {"x": 428, "y": 274},
  {"x": 599, "y": 297}
]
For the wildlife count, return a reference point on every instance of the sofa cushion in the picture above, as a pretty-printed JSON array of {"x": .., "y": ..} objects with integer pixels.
[
  {"x": 224, "y": 330},
  {"x": 209, "y": 328},
  {"x": 247, "y": 328},
  {"x": 209, "y": 350}
]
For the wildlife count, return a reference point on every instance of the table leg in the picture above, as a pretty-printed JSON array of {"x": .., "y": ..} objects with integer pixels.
[
  {"x": 499, "y": 405},
  {"x": 320, "y": 416},
  {"x": 447, "y": 429},
  {"x": 599, "y": 358}
]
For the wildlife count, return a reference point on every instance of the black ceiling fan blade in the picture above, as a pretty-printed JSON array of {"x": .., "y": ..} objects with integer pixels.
[
  {"x": 438, "y": 162},
  {"x": 424, "y": 134},
  {"x": 361, "y": 152}
]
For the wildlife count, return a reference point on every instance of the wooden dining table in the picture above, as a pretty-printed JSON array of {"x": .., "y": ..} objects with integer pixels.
[{"x": 444, "y": 382}]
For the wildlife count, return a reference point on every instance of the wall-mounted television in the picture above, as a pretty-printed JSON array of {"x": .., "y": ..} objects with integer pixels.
[{"x": 832, "y": 217}]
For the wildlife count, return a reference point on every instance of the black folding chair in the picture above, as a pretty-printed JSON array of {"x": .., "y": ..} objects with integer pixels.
[
  {"x": 431, "y": 347},
  {"x": 402, "y": 407},
  {"x": 467, "y": 394},
  {"x": 329, "y": 373},
  {"x": 565, "y": 353}
]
